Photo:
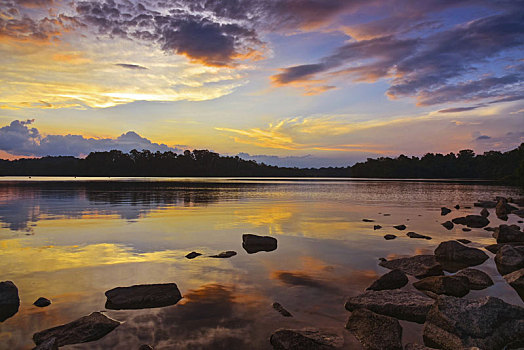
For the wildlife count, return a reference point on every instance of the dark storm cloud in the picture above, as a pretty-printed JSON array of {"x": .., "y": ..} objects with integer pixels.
[
  {"x": 20, "y": 139},
  {"x": 131, "y": 66}
]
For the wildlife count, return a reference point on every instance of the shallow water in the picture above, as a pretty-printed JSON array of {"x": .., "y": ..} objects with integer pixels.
[{"x": 72, "y": 240}]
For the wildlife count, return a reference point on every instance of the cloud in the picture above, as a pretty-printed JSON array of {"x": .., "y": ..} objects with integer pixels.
[
  {"x": 130, "y": 66},
  {"x": 483, "y": 137},
  {"x": 19, "y": 139},
  {"x": 458, "y": 109}
]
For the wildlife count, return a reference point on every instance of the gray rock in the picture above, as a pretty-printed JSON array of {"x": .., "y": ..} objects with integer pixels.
[
  {"x": 142, "y": 296},
  {"x": 401, "y": 304},
  {"x": 389, "y": 236},
  {"x": 484, "y": 212},
  {"x": 281, "y": 310},
  {"x": 374, "y": 331},
  {"x": 444, "y": 211},
  {"x": 509, "y": 259},
  {"x": 49, "y": 344},
  {"x": 85, "y": 329},
  {"x": 419, "y": 266},
  {"x": 42, "y": 302},
  {"x": 463, "y": 240},
  {"x": 508, "y": 233},
  {"x": 475, "y": 221},
  {"x": 306, "y": 339},
  {"x": 9, "y": 300},
  {"x": 400, "y": 227},
  {"x": 417, "y": 235},
  {"x": 448, "y": 225},
  {"x": 224, "y": 255},
  {"x": 450, "y": 285},
  {"x": 254, "y": 244},
  {"x": 193, "y": 255},
  {"x": 392, "y": 280},
  {"x": 486, "y": 323},
  {"x": 452, "y": 254},
  {"x": 485, "y": 204},
  {"x": 477, "y": 279}
]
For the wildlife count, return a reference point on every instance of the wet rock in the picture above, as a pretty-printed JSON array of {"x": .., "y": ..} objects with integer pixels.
[
  {"x": 516, "y": 280},
  {"x": 509, "y": 258},
  {"x": 142, "y": 296},
  {"x": 401, "y": 304},
  {"x": 50, "y": 344},
  {"x": 465, "y": 229},
  {"x": 281, "y": 310},
  {"x": 450, "y": 285},
  {"x": 192, "y": 255},
  {"x": 307, "y": 339},
  {"x": 145, "y": 347},
  {"x": 444, "y": 211},
  {"x": 419, "y": 266},
  {"x": 503, "y": 209},
  {"x": 254, "y": 244},
  {"x": 508, "y": 233},
  {"x": 42, "y": 302},
  {"x": 452, "y": 253},
  {"x": 389, "y": 236},
  {"x": 486, "y": 323},
  {"x": 492, "y": 229},
  {"x": 463, "y": 240},
  {"x": 387, "y": 214},
  {"x": 485, "y": 204},
  {"x": 85, "y": 329},
  {"x": 484, "y": 212},
  {"x": 417, "y": 235},
  {"x": 368, "y": 220},
  {"x": 411, "y": 346},
  {"x": 392, "y": 280},
  {"x": 474, "y": 221},
  {"x": 519, "y": 212},
  {"x": 477, "y": 279},
  {"x": 224, "y": 255},
  {"x": 457, "y": 207},
  {"x": 377, "y": 227},
  {"x": 400, "y": 227},
  {"x": 374, "y": 331},
  {"x": 494, "y": 248},
  {"x": 448, "y": 225},
  {"x": 9, "y": 300}
]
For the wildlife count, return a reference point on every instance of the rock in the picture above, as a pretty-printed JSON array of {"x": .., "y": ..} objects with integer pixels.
[
  {"x": 448, "y": 225},
  {"x": 193, "y": 255},
  {"x": 9, "y": 300},
  {"x": 368, "y": 220},
  {"x": 417, "y": 235},
  {"x": 254, "y": 244},
  {"x": 475, "y": 221},
  {"x": 457, "y": 207},
  {"x": 145, "y": 347},
  {"x": 224, "y": 255},
  {"x": 519, "y": 212},
  {"x": 142, "y": 296},
  {"x": 453, "y": 254},
  {"x": 374, "y": 331},
  {"x": 392, "y": 280},
  {"x": 401, "y": 304},
  {"x": 516, "y": 280},
  {"x": 485, "y": 204},
  {"x": 509, "y": 259},
  {"x": 486, "y": 323},
  {"x": 477, "y": 279},
  {"x": 444, "y": 211},
  {"x": 465, "y": 229},
  {"x": 42, "y": 302},
  {"x": 307, "y": 339},
  {"x": 377, "y": 227},
  {"x": 411, "y": 346},
  {"x": 492, "y": 229},
  {"x": 49, "y": 344},
  {"x": 387, "y": 214},
  {"x": 400, "y": 227},
  {"x": 508, "y": 233},
  {"x": 494, "y": 248},
  {"x": 83, "y": 330},
  {"x": 419, "y": 266},
  {"x": 281, "y": 310},
  {"x": 503, "y": 209},
  {"x": 450, "y": 285},
  {"x": 463, "y": 240},
  {"x": 484, "y": 212},
  {"x": 388, "y": 237}
]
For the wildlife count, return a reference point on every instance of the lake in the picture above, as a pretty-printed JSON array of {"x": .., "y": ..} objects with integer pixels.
[{"x": 72, "y": 239}]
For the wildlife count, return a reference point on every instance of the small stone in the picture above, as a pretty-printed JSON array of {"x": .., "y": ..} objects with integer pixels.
[
  {"x": 226, "y": 254},
  {"x": 417, "y": 235},
  {"x": 307, "y": 338},
  {"x": 392, "y": 280},
  {"x": 457, "y": 207},
  {"x": 484, "y": 212},
  {"x": 42, "y": 302},
  {"x": 448, "y": 225},
  {"x": 444, "y": 211},
  {"x": 377, "y": 227},
  {"x": 389, "y": 236},
  {"x": 374, "y": 331},
  {"x": 192, "y": 255},
  {"x": 400, "y": 227},
  {"x": 281, "y": 310},
  {"x": 254, "y": 243},
  {"x": 368, "y": 220},
  {"x": 465, "y": 229}
]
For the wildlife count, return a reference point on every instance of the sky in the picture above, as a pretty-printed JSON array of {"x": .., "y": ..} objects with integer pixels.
[{"x": 287, "y": 82}]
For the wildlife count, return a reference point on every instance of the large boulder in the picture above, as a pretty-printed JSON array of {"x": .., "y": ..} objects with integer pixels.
[
  {"x": 374, "y": 331},
  {"x": 142, "y": 296},
  {"x": 392, "y": 280},
  {"x": 454, "y": 256},
  {"x": 475, "y": 221},
  {"x": 494, "y": 248},
  {"x": 419, "y": 266},
  {"x": 307, "y": 339},
  {"x": 450, "y": 285},
  {"x": 85, "y": 329},
  {"x": 253, "y": 243},
  {"x": 509, "y": 259},
  {"x": 401, "y": 304},
  {"x": 477, "y": 279},
  {"x": 508, "y": 233},
  {"x": 9, "y": 300},
  {"x": 486, "y": 323}
]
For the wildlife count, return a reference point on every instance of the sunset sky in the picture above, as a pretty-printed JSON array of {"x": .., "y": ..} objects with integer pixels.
[{"x": 295, "y": 82}]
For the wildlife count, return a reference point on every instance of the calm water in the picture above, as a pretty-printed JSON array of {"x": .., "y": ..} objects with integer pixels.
[{"x": 70, "y": 241}]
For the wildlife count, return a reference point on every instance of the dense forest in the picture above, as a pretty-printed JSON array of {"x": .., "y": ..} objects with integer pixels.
[{"x": 492, "y": 165}]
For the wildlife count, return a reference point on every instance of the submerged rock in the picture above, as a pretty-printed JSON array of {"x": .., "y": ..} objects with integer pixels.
[
  {"x": 224, "y": 255},
  {"x": 509, "y": 259},
  {"x": 484, "y": 212},
  {"x": 85, "y": 329},
  {"x": 450, "y": 285},
  {"x": 253, "y": 243},
  {"x": 401, "y": 304},
  {"x": 389, "y": 236},
  {"x": 281, "y": 310},
  {"x": 9, "y": 300},
  {"x": 143, "y": 296},
  {"x": 419, "y": 266},
  {"x": 192, "y": 255},
  {"x": 374, "y": 331},
  {"x": 392, "y": 280},
  {"x": 475, "y": 221},
  {"x": 477, "y": 279},
  {"x": 444, "y": 211},
  {"x": 448, "y": 225},
  {"x": 307, "y": 339},
  {"x": 400, "y": 227},
  {"x": 42, "y": 302},
  {"x": 508, "y": 233},
  {"x": 417, "y": 235},
  {"x": 486, "y": 323},
  {"x": 453, "y": 255}
]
